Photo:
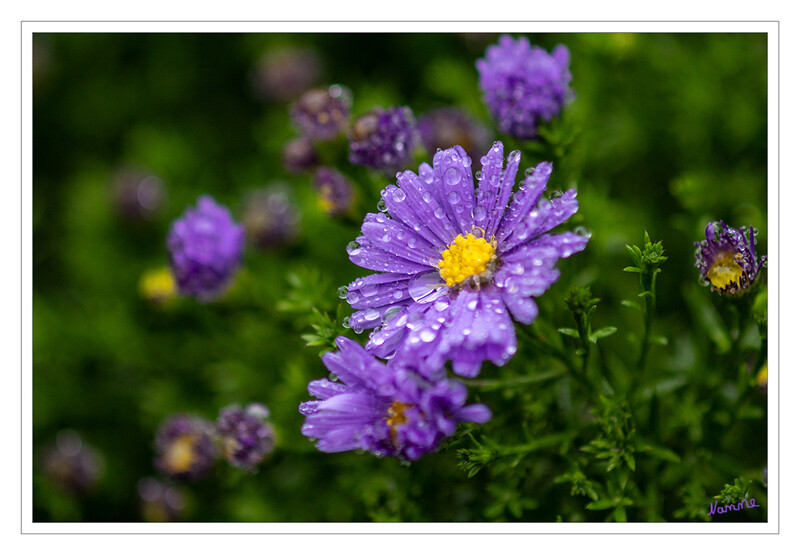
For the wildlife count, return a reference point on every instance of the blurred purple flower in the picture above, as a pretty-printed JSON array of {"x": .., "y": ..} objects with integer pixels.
[
  {"x": 445, "y": 127},
  {"x": 270, "y": 218},
  {"x": 334, "y": 190},
  {"x": 299, "y": 155},
  {"x": 72, "y": 464},
  {"x": 524, "y": 85},
  {"x": 283, "y": 74},
  {"x": 245, "y": 435},
  {"x": 322, "y": 113},
  {"x": 205, "y": 247},
  {"x": 160, "y": 502},
  {"x": 388, "y": 412},
  {"x": 727, "y": 258},
  {"x": 384, "y": 139},
  {"x": 137, "y": 195},
  {"x": 185, "y": 447},
  {"x": 458, "y": 262}
]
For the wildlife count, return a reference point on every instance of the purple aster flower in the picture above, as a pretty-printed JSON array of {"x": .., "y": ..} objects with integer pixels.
[
  {"x": 383, "y": 139},
  {"x": 270, "y": 218},
  {"x": 137, "y": 195},
  {"x": 245, "y": 435},
  {"x": 334, "y": 190},
  {"x": 284, "y": 73},
  {"x": 72, "y": 464},
  {"x": 524, "y": 85},
  {"x": 727, "y": 258},
  {"x": 160, "y": 502},
  {"x": 185, "y": 446},
  {"x": 446, "y": 127},
  {"x": 323, "y": 113},
  {"x": 205, "y": 247},
  {"x": 383, "y": 410},
  {"x": 458, "y": 263},
  {"x": 299, "y": 155}
]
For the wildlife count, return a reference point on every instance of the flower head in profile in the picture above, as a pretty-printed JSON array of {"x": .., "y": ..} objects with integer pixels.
[
  {"x": 386, "y": 411},
  {"x": 245, "y": 435},
  {"x": 383, "y": 139},
  {"x": 456, "y": 263},
  {"x": 186, "y": 447},
  {"x": 205, "y": 247},
  {"x": 523, "y": 85},
  {"x": 727, "y": 258}
]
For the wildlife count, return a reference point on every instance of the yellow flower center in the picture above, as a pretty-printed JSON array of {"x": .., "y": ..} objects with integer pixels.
[
  {"x": 180, "y": 455},
  {"x": 396, "y": 417},
  {"x": 157, "y": 285},
  {"x": 467, "y": 256},
  {"x": 725, "y": 270}
]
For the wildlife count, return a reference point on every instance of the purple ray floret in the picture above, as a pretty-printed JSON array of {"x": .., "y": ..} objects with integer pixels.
[
  {"x": 377, "y": 408},
  {"x": 205, "y": 247},
  {"x": 524, "y": 85},
  {"x": 458, "y": 263}
]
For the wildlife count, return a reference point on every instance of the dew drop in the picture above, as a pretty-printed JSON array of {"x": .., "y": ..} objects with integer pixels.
[
  {"x": 371, "y": 314},
  {"x": 342, "y": 292},
  {"x": 397, "y": 294},
  {"x": 529, "y": 172},
  {"x": 479, "y": 213},
  {"x": 346, "y": 322},
  {"x": 451, "y": 176},
  {"x": 427, "y": 335},
  {"x": 556, "y": 194},
  {"x": 398, "y": 195},
  {"x": 452, "y": 196},
  {"x": 479, "y": 174},
  {"x": 382, "y": 206},
  {"x": 353, "y": 247},
  {"x": 369, "y": 290},
  {"x": 466, "y": 161},
  {"x": 426, "y": 196},
  {"x": 583, "y": 232}
]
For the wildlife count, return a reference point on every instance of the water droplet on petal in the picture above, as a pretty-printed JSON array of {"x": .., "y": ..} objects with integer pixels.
[
  {"x": 382, "y": 206},
  {"x": 371, "y": 314},
  {"x": 556, "y": 193},
  {"x": 451, "y": 176},
  {"x": 583, "y": 232},
  {"x": 353, "y": 247},
  {"x": 427, "y": 287},
  {"x": 479, "y": 213},
  {"x": 346, "y": 322},
  {"x": 452, "y": 196},
  {"x": 342, "y": 292},
  {"x": 398, "y": 195},
  {"x": 427, "y": 335}
]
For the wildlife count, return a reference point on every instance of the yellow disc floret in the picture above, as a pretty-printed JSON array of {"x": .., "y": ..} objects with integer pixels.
[
  {"x": 180, "y": 454},
  {"x": 467, "y": 256},
  {"x": 724, "y": 271},
  {"x": 397, "y": 417}
]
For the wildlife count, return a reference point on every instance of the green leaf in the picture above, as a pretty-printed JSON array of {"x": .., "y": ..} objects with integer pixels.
[
  {"x": 631, "y": 304},
  {"x": 571, "y": 332},
  {"x": 601, "y": 333},
  {"x": 601, "y": 505},
  {"x": 632, "y": 269}
]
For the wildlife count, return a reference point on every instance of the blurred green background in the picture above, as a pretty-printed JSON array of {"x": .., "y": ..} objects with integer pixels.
[{"x": 670, "y": 131}]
